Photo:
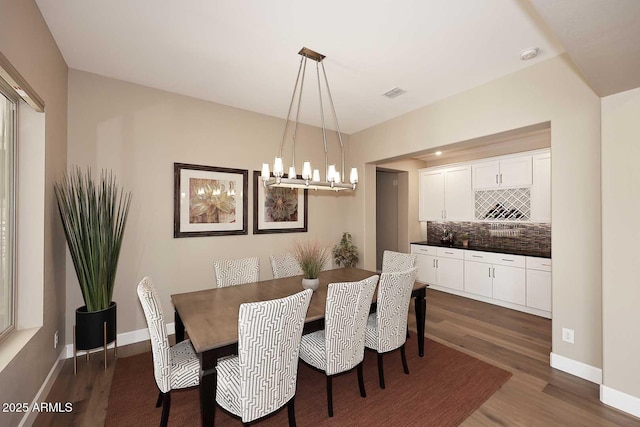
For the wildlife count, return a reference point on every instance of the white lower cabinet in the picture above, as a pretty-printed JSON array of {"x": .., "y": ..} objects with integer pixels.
[
  {"x": 440, "y": 266},
  {"x": 513, "y": 281},
  {"x": 478, "y": 278},
  {"x": 495, "y": 275},
  {"x": 509, "y": 284},
  {"x": 539, "y": 283}
]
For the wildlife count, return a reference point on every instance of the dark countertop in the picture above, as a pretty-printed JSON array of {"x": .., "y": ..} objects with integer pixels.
[{"x": 471, "y": 247}]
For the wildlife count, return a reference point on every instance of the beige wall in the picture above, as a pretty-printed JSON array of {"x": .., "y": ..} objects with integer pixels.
[
  {"x": 620, "y": 234},
  {"x": 410, "y": 230},
  {"x": 139, "y": 133},
  {"x": 26, "y": 42},
  {"x": 550, "y": 91}
]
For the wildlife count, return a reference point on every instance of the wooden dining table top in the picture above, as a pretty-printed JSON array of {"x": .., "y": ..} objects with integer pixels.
[{"x": 210, "y": 316}]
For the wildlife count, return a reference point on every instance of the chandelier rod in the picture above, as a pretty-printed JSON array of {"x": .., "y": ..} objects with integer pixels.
[
  {"x": 293, "y": 95},
  {"x": 295, "y": 124},
  {"x": 335, "y": 118},
  {"x": 324, "y": 131}
]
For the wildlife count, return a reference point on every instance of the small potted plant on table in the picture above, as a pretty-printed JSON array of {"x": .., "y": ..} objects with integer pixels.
[{"x": 312, "y": 257}]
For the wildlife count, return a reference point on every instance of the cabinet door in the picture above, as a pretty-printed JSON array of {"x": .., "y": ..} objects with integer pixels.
[
  {"x": 431, "y": 206},
  {"x": 541, "y": 189},
  {"x": 450, "y": 273},
  {"x": 509, "y": 284},
  {"x": 515, "y": 172},
  {"x": 426, "y": 269},
  {"x": 486, "y": 175},
  {"x": 458, "y": 198},
  {"x": 478, "y": 278},
  {"x": 539, "y": 289}
]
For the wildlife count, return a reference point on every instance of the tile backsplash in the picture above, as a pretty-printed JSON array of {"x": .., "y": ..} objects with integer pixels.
[{"x": 533, "y": 237}]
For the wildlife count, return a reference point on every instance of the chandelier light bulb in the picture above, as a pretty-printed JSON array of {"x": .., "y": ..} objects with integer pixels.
[
  {"x": 292, "y": 172},
  {"x": 354, "y": 176},
  {"x": 331, "y": 173},
  {"x": 337, "y": 177},
  {"x": 306, "y": 171},
  {"x": 278, "y": 168},
  {"x": 265, "y": 171},
  {"x": 316, "y": 175}
]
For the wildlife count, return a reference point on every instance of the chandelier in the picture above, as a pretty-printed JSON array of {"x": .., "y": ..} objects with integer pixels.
[{"x": 309, "y": 178}]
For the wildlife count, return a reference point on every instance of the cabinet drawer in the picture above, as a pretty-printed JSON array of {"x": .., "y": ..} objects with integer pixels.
[
  {"x": 450, "y": 253},
  {"x": 479, "y": 256},
  {"x": 510, "y": 260},
  {"x": 535, "y": 263},
  {"x": 424, "y": 250}
]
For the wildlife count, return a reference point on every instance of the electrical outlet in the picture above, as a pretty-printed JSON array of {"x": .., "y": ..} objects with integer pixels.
[
  {"x": 55, "y": 340},
  {"x": 568, "y": 335}
]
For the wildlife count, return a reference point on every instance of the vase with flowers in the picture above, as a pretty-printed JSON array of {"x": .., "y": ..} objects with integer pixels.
[{"x": 311, "y": 256}]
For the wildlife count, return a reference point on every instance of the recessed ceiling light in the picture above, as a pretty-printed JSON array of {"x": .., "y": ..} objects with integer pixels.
[
  {"x": 437, "y": 153},
  {"x": 530, "y": 53}
]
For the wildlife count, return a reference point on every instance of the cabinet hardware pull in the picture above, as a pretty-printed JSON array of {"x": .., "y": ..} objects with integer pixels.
[
  {"x": 437, "y": 263},
  {"x": 433, "y": 263},
  {"x": 494, "y": 272},
  {"x": 500, "y": 178},
  {"x": 496, "y": 178},
  {"x": 546, "y": 265},
  {"x": 449, "y": 253},
  {"x": 445, "y": 214},
  {"x": 489, "y": 271},
  {"x": 510, "y": 260},
  {"x": 477, "y": 256}
]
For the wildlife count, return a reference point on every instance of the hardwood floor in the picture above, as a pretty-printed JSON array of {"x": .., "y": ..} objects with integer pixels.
[{"x": 536, "y": 394}]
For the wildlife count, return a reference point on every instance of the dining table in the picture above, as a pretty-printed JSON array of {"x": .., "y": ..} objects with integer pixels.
[{"x": 210, "y": 318}]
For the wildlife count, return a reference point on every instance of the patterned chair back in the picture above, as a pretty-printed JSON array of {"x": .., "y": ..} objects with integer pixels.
[
  {"x": 231, "y": 272},
  {"x": 268, "y": 346},
  {"x": 347, "y": 310},
  {"x": 158, "y": 332},
  {"x": 394, "y": 294},
  {"x": 397, "y": 261},
  {"x": 284, "y": 265}
]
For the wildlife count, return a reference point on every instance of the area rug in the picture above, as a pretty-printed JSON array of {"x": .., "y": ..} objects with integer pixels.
[{"x": 443, "y": 388}]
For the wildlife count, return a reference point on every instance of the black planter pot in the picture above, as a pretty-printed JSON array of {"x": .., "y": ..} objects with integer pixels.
[{"x": 90, "y": 327}]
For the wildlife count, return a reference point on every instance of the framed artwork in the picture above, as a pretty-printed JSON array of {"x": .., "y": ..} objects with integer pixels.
[
  {"x": 278, "y": 210},
  {"x": 209, "y": 201}
]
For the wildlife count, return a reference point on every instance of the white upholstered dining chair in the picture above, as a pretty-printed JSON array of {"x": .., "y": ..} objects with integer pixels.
[
  {"x": 386, "y": 328},
  {"x": 339, "y": 347},
  {"x": 285, "y": 265},
  {"x": 262, "y": 378},
  {"x": 231, "y": 272},
  {"x": 173, "y": 367},
  {"x": 397, "y": 261}
]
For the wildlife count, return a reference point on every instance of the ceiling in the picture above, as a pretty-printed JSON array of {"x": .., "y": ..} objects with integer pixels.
[{"x": 244, "y": 54}]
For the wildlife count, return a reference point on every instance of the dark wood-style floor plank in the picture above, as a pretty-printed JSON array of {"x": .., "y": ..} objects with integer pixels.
[{"x": 535, "y": 395}]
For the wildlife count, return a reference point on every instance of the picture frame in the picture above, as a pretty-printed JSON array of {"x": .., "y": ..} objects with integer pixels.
[
  {"x": 289, "y": 218},
  {"x": 209, "y": 201}
]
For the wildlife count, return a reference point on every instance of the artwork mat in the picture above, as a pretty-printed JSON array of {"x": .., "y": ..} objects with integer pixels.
[
  {"x": 261, "y": 226},
  {"x": 182, "y": 174}
]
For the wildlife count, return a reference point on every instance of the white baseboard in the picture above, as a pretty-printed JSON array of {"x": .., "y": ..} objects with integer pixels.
[
  {"x": 619, "y": 400},
  {"x": 30, "y": 416},
  {"x": 579, "y": 369},
  {"x": 125, "y": 338}
]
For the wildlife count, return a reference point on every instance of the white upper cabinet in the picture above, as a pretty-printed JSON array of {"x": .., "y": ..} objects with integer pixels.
[
  {"x": 431, "y": 206},
  {"x": 509, "y": 172},
  {"x": 541, "y": 188},
  {"x": 445, "y": 194}
]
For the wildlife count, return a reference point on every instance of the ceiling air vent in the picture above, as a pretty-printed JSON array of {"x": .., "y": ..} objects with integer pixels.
[{"x": 394, "y": 93}]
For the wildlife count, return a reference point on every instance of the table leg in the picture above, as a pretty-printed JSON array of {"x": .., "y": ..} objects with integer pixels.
[
  {"x": 421, "y": 309},
  {"x": 179, "y": 327},
  {"x": 208, "y": 387}
]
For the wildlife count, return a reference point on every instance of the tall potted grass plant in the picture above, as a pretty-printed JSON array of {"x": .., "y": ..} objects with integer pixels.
[{"x": 94, "y": 215}]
